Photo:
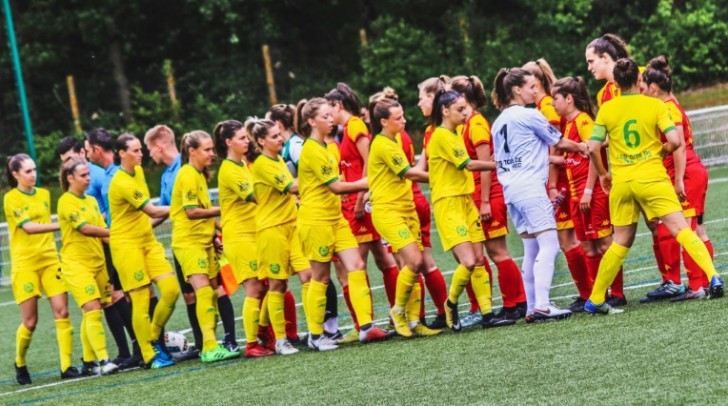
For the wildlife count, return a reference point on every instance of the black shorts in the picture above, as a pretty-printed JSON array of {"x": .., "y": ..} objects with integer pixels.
[
  {"x": 184, "y": 286},
  {"x": 111, "y": 269}
]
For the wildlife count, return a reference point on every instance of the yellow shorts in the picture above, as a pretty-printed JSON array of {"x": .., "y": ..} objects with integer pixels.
[
  {"x": 197, "y": 261},
  {"x": 457, "y": 221},
  {"x": 243, "y": 257},
  {"x": 655, "y": 197},
  {"x": 320, "y": 242},
  {"x": 87, "y": 283},
  {"x": 398, "y": 228},
  {"x": 139, "y": 265},
  {"x": 279, "y": 252},
  {"x": 27, "y": 284}
]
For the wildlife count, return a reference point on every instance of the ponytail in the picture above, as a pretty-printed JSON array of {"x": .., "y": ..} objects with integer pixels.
[
  {"x": 472, "y": 88},
  {"x": 576, "y": 87},
  {"x": 610, "y": 44},
  {"x": 379, "y": 109},
  {"x": 225, "y": 130},
  {"x": 626, "y": 73},
  {"x": 442, "y": 100},
  {"x": 257, "y": 128},
  {"x": 542, "y": 71},
  {"x": 345, "y": 96},
  {"x": 503, "y": 85},
  {"x": 305, "y": 110},
  {"x": 658, "y": 71},
  {"x": 15, "y": 162},
  {"x": 68, "y": 168},
  {"x": 122, "y": 144}
]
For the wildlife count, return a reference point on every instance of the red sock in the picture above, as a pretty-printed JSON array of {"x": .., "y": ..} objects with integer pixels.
[
  {"x": 289, "y": 312},
  {"x": 658, "y": 255},
  {"x": 696, "y": 276},
  {"x": 709, "y": 246},
  {"x": 347, "y": 299},
  {"x": 576, "y": 262},
  {"x": 389, "y": 277},
  {"x": 438, "y": 289},
  {"x": 421, "y": 281},
  {"x": 617, "y": 288},
  {"x": 510, "y": 282},
  {"x": 670, "y": 249},
  {"x": 592, "y": 266},
  {"x": 474, "y": 306}
]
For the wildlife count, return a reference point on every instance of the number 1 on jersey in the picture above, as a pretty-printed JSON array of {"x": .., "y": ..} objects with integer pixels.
[{"x": 504, "y": 133}]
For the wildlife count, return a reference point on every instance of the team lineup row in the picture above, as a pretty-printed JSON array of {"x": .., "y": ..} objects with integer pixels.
[{"x": 309, "y": 186}]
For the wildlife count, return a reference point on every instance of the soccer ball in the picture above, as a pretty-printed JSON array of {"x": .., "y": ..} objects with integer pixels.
[{"x": 176, "y": 343}]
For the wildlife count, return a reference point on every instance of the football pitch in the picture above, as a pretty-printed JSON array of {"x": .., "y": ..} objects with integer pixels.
[{"x": 666, "y": 353}]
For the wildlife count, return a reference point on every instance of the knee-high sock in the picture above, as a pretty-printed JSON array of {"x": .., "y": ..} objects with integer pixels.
[
  {"x": 460, "y": 279},
  {"x": 194, "y": 323},
  {"x": 347, "y": 298},
  {"x": 697, "y": 251},
  {"x": 543, "y": 268},
  {"x": 530, "y": 251},
  {"x": 389, "y": 279},
  {"x": 421, "y": 282},
  {"x": 64, "y": 334},
  {"x": 405, "y": 281},
  {"x": 670, "y": 250},
  {"x": 169, "y": 292},
  {"x": 709, "y": 247},
  {"x": 360, "y": 296},
  {"x": 22, "y": 343},
  {"x": 412, "y": 308},
  {"x": 592, "y": 265},
  {"x": 116, "y": 326},
  {"x": 289, "y": 310},
  {"x": 95, "y": 334},
  {"x": 471, "y": 297},
  {"x": 227, "y": 316},
  {"x": 608, "y": 269},
  {"x": 438, "y": 289},
  {"x": 316, "y": 303},
  {"x": 88, "y": 352},
  {"x": 264, "y": 319},
  {"x": 510, "y": 282},
  {"x": 576, "y": 261},
  {"x": 142, "y": 324},
  {"x": 658, "y": 254},
  {"x": 251, "y": 315},
  {"x": 332, "y": 302},
  {"x": 206, "y": 316},
  {"x": 275, "y": 313},
  {"x": 123, "y": 307},
  {"x": 481, "y": 286}
]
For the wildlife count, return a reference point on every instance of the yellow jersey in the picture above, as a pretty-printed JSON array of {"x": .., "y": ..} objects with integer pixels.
[
  {"x": 389, "y": 189},
  {"x": 546, "y": 107},
  {"x": 271, "y": 181},
  {"x": 632, "y": 122},
  {"x": 75, "y": 212},
  {"x": 317, "y": 169},
  {"x": 333, "y": 148},
  {"x": 190, "y": 192},
  {"x": 235, "y": 188},
  {"x": 29, "y": 251},
  {"x": 447, "y": 158},
  {"x": 128, "y": 194}
]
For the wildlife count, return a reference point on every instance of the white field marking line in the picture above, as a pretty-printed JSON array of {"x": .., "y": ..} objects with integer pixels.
[
  {"x": 7, "y": 303},
  {"x": 32, "y": 388}
]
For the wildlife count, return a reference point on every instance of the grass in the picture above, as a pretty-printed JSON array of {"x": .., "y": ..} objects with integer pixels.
[
  {"x": 699, "y": 98},
  {"x": 657, "y": 353}
]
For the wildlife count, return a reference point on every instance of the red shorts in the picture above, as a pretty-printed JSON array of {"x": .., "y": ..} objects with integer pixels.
[
  {"x": 696, "y": 186},
  {"x": 563, "y": 212},
  {"x": 424, "y": 213},
  {"x": 363, "y": 230},
  {"x": 497, "y": 226},
  {"x": 596, "y": 223}
]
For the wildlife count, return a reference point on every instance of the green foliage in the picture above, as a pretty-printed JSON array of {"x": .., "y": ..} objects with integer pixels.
[{"x": 48, "y": 162}]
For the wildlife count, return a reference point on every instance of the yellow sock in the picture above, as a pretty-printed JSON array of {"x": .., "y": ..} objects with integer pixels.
[
  {"x": 608, "y": 269},
  {"x": 169, "y": 292},
  {"x": 95, "y": 334},
  {"x": 316, "y": 307},
  {"x": 481, "y": 287},
  {"x": 459, "y": 280},
  {"x": 140, "y": 322},
  {"x": 360, "y": 296},
  {"x": 22, "y": 342},
  {"x": 251, "y": 316},
  {"x": 88, "y": 350},
  {"x": 206, "y": 316},
  {"x": 412, "y": 309},
  {"x": 696, "y": 248},
  {"x": 275, "y": 312},
  {"x": 405, "y": 279},
  {"x": 304, "y": 298},
  {"x": 264, "y": 319},
  {"x": 64, "y": 334}
]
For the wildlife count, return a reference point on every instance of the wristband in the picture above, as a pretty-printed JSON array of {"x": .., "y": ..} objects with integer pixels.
[{"x": 588, "y": 191}]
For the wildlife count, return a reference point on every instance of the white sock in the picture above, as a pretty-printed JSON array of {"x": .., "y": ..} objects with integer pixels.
[
  {"x": 530, "y": 250},
  {"x": 543, "y": 268},
  {"x": 331, "y": 325}
]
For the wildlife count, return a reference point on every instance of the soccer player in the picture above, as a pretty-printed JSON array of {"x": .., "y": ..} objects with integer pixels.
[
  {"x": 488, "y": 198},
  {"x": 601, "y": 56},
  {"x": 278, "y": 249},
  {"x": 589, "y": 202},
  {"x": 323, "y": 230},
  {"x": 394, "y": 213},
  {"x": 690, "y": 179},
  {"x": 638, "y": 180},
  {"x": 118, "y": 311},
  {"x": 354, "y": 155},
  {"x": 522, "y": 138},
  {"x": 35, "y": 264},
  {"x": 160, "y": 142},
  {"x": 83, "y": 262},
  {"x": 137, "y": 255},
  {"x": 456, "y": 217},
  {"x": 237, "y": 208}
]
